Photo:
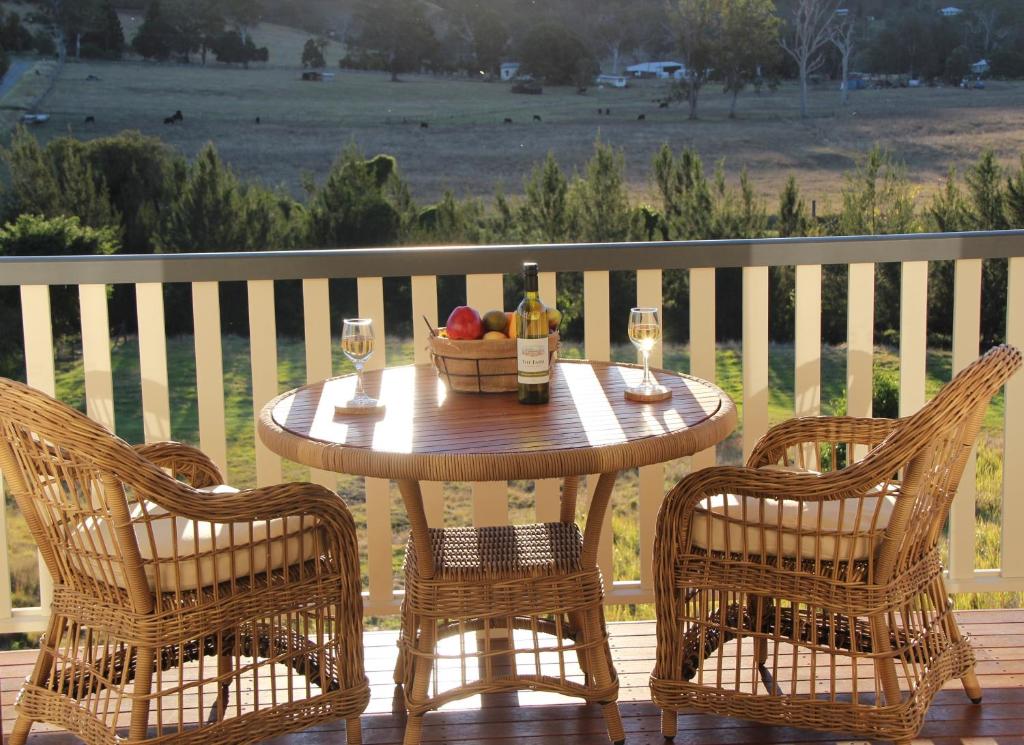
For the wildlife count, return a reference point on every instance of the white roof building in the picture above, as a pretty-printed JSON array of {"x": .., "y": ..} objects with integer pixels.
[
  {"x": 951, "y": 11},
  {"x": 658, "y": 69}
]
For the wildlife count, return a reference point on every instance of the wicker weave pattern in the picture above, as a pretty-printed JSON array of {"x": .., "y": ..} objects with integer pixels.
[
  {"x": 111, "y": 664},
  {"x": 737, "y": 628}
]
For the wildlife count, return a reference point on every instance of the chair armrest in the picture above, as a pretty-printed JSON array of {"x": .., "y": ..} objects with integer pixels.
[
  {"x": 183, "y": 461},
  {"x": 772, "y": 447}
]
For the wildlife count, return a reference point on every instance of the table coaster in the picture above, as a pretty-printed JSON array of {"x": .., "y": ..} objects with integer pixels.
[
  {"x": 347, "y": 409},
  {"x": 644, "y": 397}
]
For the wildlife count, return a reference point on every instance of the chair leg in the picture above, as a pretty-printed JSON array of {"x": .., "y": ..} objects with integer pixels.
[
  {"x": 40, "y": 672},
  {"x": 19, "y": 734},
  {"x": 353, "y": 731},
  {"x": 601, "y": 673},
  {"x": 224, "y": 669},
  {"x": 885, "y": 666},
  {"x": 413, "y": 730},
  {"x": 972, "y": 687},
  {"x": 144, "y": 662},
  {"x": 669, "y": 723}
]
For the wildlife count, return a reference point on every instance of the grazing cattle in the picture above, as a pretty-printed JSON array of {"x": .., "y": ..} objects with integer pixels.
[
  {"x": 90, "y": 120},
  {"x": 508, "y": 120},
  {"x": 424, "y": 125},
  {"x": 600, "y": 111},
  {"x": 257, "y": 120},
  {"x": 179, "y": 116},
  {"x": 536, "y": 118},
  {"x": 170, "y": 120},
  {"x": 607, "y": 112},
  {"x": 641, "y": 118},
  {"x": 663, "y": 105}
]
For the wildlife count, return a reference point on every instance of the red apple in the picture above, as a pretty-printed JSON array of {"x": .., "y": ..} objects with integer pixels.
[{"x": 465, "y": 323}]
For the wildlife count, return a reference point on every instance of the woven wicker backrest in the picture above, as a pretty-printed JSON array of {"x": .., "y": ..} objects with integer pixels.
[
  {"x": 931, "y": 448},
  {"x": 68, "y": 475}
]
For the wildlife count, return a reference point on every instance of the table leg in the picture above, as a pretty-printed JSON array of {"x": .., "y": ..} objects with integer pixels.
[
  {"x": 591, "y": 624},
  {"x": 412, "y": 495}
]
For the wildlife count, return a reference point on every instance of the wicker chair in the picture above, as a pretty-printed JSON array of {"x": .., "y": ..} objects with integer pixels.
[
  {"x": 806, "y": 589},
  {"x": 152, "y": 573}
]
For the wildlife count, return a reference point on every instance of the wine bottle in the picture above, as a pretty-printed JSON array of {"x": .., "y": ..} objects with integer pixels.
[{"x": 532, "y": 342}]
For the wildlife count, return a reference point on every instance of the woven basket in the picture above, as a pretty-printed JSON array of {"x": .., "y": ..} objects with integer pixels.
[{"x": 480, "y": 366}]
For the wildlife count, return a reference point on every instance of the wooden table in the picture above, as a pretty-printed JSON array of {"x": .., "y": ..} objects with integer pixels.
[{"x": 541, "y": 581}]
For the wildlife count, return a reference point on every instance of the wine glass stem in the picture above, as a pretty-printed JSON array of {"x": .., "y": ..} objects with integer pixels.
[
  {"x": 360, "y": 393},
  {"x": 647, "y": 369}
]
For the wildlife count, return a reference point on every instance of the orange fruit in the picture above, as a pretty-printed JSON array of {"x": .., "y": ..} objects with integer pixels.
[
  {"x": 513, "y": 329},
  {"x": 494, "y": 335}
]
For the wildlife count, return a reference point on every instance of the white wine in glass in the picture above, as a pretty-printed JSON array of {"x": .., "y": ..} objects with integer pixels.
[
  {"x": 357, "y": 342},
  {"x": 645, "y": 333}
]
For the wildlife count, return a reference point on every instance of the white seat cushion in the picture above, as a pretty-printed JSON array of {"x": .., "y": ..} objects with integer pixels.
[
  {"x": 722, "y": 522},
  {"x": 184, "y": 555}
]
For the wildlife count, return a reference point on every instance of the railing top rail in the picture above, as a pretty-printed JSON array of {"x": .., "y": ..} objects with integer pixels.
[{"x": 459, "y": 260}]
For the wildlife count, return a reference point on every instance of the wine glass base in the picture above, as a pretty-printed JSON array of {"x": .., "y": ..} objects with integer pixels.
[
  {"x": 647, "y": 393},
  {"x": 362, "y": 406}
]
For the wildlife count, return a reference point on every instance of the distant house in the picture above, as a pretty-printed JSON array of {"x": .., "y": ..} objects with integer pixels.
[
  {"x": 661, "y": 70},
  {"x": 980, "y": 67},
  {"x": 615, "y": 81},
  {"x": 509, "y": 70},
  {"x": 951, "y": 11}
]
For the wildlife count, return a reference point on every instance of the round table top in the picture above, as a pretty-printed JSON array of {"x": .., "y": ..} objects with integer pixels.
[{"x": 430, "y": 434}]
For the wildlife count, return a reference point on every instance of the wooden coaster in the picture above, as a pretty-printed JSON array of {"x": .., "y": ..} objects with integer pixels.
[
  {"x": 646, "y": 397},
  {"x": 347, "y": 409}
]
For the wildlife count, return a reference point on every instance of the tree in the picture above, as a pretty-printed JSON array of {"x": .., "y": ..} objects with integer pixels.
[
  {"x": 793, "y": 218},
  {"x": 244, "y": 14},
  {"x": 615, "y": 28},
  {"x": 5, "y": 62},
  {"x": 600, "y": 201},
  {"x": 843, "y": 38},
  {"x": 545, "y": 213},
  {"x": 553, "y": 53},
  {"x": 809, "y": 31},
  {"x": 313, "y": 53},
  {"x": 394, "y": 35},
  {"x": 698, "y": 26},
  {"x": 749, "y": 42},
  {"x": 230, "y": 48},
  {"x": 155, "y": 37},
  {"x": 484, "y": 31}
]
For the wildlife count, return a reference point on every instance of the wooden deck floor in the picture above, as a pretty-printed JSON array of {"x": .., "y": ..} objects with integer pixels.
[{"x": 528, "y": 718}]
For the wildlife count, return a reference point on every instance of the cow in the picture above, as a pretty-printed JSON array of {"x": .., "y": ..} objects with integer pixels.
[
  {"x": 536, "y": 118},
  {"x": 90, "y": 120},
  {"x": 508, "y": 120},
  {"x": 642, "y": 117},
  {"x": 663, "y": 105},
  {"x": 257, "y": 120},
  {"x": 424, "y": 125},
  {"x": 170, "y": 120}
]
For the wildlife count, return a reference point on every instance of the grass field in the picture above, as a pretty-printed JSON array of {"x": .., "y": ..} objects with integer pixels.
[
  {"x": 458, "y": 509},
  {"x": 468, "y": 149}
]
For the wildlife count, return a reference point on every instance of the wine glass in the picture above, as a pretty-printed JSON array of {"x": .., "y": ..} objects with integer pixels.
[
  {"x": 644, "y": 332},
  {"x": 357, "y": 343}
]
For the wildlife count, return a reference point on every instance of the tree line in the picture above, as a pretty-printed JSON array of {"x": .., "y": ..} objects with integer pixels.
[{"x": 134, "y": 194}]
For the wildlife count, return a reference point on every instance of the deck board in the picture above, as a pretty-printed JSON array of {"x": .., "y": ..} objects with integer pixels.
[{"x": 529, "y": 718}]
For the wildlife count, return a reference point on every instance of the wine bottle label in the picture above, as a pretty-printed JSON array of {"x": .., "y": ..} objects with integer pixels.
[{"x": 533, "y": 360}]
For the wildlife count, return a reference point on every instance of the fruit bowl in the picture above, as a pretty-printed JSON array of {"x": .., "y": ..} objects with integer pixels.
[{"x": 480, "y": 365}]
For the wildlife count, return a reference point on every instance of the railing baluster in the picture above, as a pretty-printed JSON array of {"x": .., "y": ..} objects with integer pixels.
[
  {"x": 860, "y": 344},
  {"x": 424, "y": 304},
  {"x": 913, "y": 335},
  {"x": 490, "y": 498},
  {"x": 966, "y": 344},
  {"x": 755, "y": 355},
  {"x": 99, "y": 380},
  {"x": 597, "y": 346},
  {"x": 807, "y": 348},
  {"x": 807, "y": 344},
  {"x": 547, "y": 492},
  {"x": 39, "y": 373},
  {"x": 1013, "y": 445},
  {"x": 210, "y": 372},
  {"x": 156, "y": 406},
  {"x": 652, "y": 478},
  {"x": 263, "y": 356},
  {"x": 316, "y": 317},
  {"x": 379, "y": 538},
  {"x": 703, "y": 354}
]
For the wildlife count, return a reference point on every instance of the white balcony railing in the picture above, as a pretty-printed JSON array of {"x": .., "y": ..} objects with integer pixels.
[{"x": 484, "y": 268}]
